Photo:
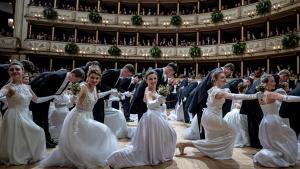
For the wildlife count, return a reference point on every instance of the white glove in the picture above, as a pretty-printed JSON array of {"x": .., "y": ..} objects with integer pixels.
[
  {"x": 161, "y": 99},
  {"x": 44, "y": 99},
  {"x": 128, "y": 94},
  {"x": 287, "y": 98},
  {"x": 114, "y": 92}
]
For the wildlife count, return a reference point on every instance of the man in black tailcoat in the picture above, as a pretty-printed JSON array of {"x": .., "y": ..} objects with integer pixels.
[
  {"x": 137, "y": 105},
  {"x": 47, "y": 84},
  {"x": 110, "y": 79}
]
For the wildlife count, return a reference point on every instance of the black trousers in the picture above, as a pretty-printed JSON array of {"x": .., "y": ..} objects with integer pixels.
[
  {"x": 185, "y": 113},
  {"x": 98, "y": 111},
  {"x": 126, "y": 105},
  {"x": 40, "y": 116}
]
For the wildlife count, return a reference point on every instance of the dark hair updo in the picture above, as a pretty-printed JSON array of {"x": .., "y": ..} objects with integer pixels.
[
  {"x": 150, "y": 72},
  {"x": 17, "y": 63}
]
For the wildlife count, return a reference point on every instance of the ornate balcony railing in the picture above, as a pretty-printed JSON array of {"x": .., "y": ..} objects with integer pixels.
[
  {"x": 254, "y": 48},
  {"x": 246, "y": 12},
  {"x": 9, "y": 42}
]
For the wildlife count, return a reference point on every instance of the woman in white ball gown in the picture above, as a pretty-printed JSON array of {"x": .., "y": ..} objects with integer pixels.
[
  {"x": 239, "y": 121},
  {"x": 21, "y": 140},
  {"x": 115, "y": 119},
  {"x": 279, "y": 141},
  {"x": 84, "y": 142},
  {"x": 58, "y": 115},
  {"x": 219, "y": 136},
  {"x": 155, "y": 139}
]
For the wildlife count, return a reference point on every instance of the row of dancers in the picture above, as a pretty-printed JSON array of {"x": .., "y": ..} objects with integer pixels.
[{"x": 86, "y": 143}]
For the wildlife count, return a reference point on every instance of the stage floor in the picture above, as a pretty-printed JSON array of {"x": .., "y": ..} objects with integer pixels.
[{"x": 242, "y": 157}]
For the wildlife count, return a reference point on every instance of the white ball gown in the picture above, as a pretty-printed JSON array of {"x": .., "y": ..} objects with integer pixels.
[
  {"x": 279, "y": 141},
  {"x": 116, "y": 121},
  {"x": 153, "y": 143},
  {"x": 219, "y": 136},
  {"x": 239, "y": 123},
  {"x": 58, "y": 115},
  {"x": 21, "y": 140},
  {"x": 83, "y": 142},
  {"x": 193, "y": 132}
]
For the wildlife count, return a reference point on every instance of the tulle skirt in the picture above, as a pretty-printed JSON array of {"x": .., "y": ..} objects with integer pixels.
[
  {"x": 153, "y": 143},
  {"x": 83, "y": 142},
  {"x": 21, "y": 140}
]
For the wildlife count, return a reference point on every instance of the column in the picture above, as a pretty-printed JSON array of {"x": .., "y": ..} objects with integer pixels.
[
  {"x": 197, "y": 69},
  {"x": 53, "y": 31},
  {"x": 97, "y": 36},
  {"x": 139, "y": 8},
  {"x": 157, "y": 39},
  {"x": 18, "y": 18},
  {"x": 155, "y": 65},
  {"x": 198, "y": 6},
  {"x": 75, "y": 35},
  {"x": 98, "y": 6},
  {"x": 242, "y": 68},
  {"x": 298, "y": 65},
  {"x": 30, "y": 27},
  {"x": 178, "y": 6},
  {"x": 219, "y": 36},
  {"x": 157, "y": 12},
  {"x": 117, "y": 38},
  {"x": 135, "y": 67},
  {"x": 242, "y": 33},
  {"x": 298, "y": 24},
  {"x": 220, "y": 4},
  {"x": 116, "y": 65},
  {"x": 242, "y": 2},
  {"x": 73, "y": 64},
  {"x": 197, "y": 38},
  {"x": 268, "y": 65},
  {"x": 137, "y": 38},
  {"x": 119, "y": 7},
  {"x": 77, "y": 5},
  {"x": 55, "y": 4},
  {"x": 268, "y": 28},
  {"x": 177, "y": 38},
  {"x": 50, "y": 64}
]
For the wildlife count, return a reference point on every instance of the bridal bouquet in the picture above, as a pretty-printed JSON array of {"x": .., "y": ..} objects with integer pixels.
[
  {"x": 260, "y": 88},
  {"x": 75, "y": 88},
  {"x": 164, "y": 90}
]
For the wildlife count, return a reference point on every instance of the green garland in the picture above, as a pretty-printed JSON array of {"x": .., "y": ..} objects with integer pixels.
[
  {"x": 136, "y": 20},
  {"x": 239, "y": 48},
  {"x": 95, "y": 17},
  {"x": 72, "y": 48},
  {"x": 155, "y": 52},
  {"x": 217, "y": 16},
  {"x": 114, "y": 51},
  {"x": 195, "y": 51},
  {"x": 263, "y": 7},
  {"x": 176, "y": 20},
  {"x": 290, "y": 41},
  {"x": 50, "y": 13}
]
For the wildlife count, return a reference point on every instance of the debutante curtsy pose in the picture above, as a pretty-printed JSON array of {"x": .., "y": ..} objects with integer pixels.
[
  {"x": 155, "y": 140},
  {"x": 84, "y": 142},
  {"x": 21, "y": 140},
  {"x": 219, "y": 136},
  {"x": 279, "y": 141}
]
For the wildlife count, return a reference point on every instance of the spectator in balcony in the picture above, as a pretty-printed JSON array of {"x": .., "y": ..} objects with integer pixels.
[{"x": 143, "y": 12}]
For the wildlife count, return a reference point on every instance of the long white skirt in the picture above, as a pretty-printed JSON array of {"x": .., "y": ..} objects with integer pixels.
[
  {"x": 192, "y": 133},
  {"x": 153, "y": 143},
  {"x": 219, "y": 136},
  {"x": 21, "y": 140},
  {"x": 56, "y": 120},
  {"x": 279, "y": 141},
  {"x": 116, "y": 121},
  {"x": 83, "y": 142},
  {"x": 239, "y": 123}
]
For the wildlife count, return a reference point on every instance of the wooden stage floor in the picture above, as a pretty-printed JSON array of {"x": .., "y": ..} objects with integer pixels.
[{"x": 242, "y": 158}]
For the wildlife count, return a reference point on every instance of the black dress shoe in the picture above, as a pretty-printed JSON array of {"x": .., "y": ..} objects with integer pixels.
[
  {"x": 49, "y": 145},
  {"x": 130, "y": 120},
  {"x": 51, "y": 141}
]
